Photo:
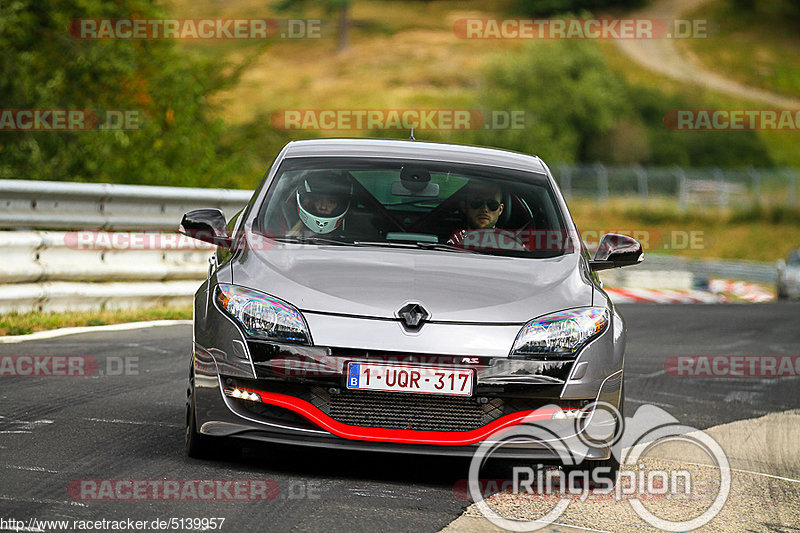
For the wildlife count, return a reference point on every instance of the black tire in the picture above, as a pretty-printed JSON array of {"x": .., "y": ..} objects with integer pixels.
[
  {"x": 198, "y": 446},
  {"x": 612, "y": 463}
]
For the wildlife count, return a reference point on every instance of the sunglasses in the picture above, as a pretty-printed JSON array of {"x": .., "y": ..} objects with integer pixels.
[{"x": 491, "y": 204}]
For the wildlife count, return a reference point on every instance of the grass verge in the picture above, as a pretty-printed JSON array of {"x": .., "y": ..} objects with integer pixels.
[
  {"x": 25, "y": 323},
  {"x": 757, "y": 234}
]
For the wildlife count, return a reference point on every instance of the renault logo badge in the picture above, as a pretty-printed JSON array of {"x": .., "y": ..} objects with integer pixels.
[{"x": 413, "y": 316}]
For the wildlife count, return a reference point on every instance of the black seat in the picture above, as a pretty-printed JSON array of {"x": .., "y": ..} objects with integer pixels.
[{"x": 505, "y": 216}]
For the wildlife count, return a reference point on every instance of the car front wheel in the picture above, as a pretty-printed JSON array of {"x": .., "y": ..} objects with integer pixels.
[{"x": 198, "y": 446}]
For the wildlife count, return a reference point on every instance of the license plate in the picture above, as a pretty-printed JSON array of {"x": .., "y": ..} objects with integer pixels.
[{"x": 404, "y": 378}]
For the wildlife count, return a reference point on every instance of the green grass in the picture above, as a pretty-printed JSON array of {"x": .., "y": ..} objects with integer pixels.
[
  {"x": 758, "y": 49},
  {"x": 781, "y": 146},
  {"x": 400, "y": 55},
  {"x": 758, "y": 234},
  {"x": 25, "y": 323}
]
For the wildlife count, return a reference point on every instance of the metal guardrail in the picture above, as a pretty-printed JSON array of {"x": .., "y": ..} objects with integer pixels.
[
  {"x": 65, "y": 205},
  {"x": 59, "y": 271},
  {"x": 50, "y": 271},
  {"x": 687, "y": 186},
  {"x": 738, "y": 269}
]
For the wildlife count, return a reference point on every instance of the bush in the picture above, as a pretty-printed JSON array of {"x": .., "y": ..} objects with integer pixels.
[
  {"x": 567, "y": 93},
  {"x": 578, "y": 110},
  {"x": 178, "y": 142}
]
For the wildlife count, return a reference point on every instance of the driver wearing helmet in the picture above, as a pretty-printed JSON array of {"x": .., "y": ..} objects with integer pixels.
[{"x": 323, "y": 198}]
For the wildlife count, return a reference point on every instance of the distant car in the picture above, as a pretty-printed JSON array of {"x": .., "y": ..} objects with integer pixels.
[
  {"x": 352, "y": 305},
  {"x": 789, "y": 276}
]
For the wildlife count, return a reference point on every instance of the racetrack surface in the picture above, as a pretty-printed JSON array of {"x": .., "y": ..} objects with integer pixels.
[
  {"x": 664, "y": 57},
  {"x": 58, "y": 430}
]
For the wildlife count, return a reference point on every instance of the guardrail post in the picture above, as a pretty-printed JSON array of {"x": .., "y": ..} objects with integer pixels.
[
  {"x": 683, "y": 191},
  {"x": 722, "y": 199},
  {"x": 602, "y": 183},
  {"x": 755, "y": 178},
  {"x": 641, "y": 175},
  {"x": 792, "y": 185}
]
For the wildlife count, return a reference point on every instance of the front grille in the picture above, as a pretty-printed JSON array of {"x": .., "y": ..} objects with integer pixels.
[{"x": 421, "y": 412}]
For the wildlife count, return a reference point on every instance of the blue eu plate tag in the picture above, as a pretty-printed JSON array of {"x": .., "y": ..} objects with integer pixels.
[{"x": 354, "y": 371}]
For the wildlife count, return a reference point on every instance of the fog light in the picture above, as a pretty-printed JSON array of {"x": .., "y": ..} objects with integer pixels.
[
  {"x": 242, "y": 394},
  {"x": 570, "y": 414}
]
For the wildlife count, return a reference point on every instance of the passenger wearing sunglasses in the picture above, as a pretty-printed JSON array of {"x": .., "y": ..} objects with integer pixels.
[{"x": 482, "y": 206}]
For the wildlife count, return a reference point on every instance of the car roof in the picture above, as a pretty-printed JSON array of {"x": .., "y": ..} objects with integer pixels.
[{"x": 410, "y": 149}]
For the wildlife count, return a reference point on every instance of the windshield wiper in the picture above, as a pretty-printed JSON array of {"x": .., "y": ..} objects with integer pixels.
[
  {"x": 443, "y": 247},
  {"x": 303, "y": 239},
  {"x": 419, "y": 244}
]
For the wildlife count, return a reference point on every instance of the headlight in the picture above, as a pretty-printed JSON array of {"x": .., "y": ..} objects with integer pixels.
[
  {"x": 262, "y": 316},
  {"x": 561, "y": 333}
]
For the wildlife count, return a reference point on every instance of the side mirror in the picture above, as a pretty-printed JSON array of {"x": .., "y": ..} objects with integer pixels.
[
  {"x": 616, "y": 251},
  {"x": 207, "y": 225}
]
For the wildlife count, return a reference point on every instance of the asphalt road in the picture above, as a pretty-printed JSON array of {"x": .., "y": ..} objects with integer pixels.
[{"x": 118, "y": 425}]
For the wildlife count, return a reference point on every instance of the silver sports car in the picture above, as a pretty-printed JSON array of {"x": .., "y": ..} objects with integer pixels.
[
  {"x": 401, "y": 296},
  {"x": 788, "y": 285}
]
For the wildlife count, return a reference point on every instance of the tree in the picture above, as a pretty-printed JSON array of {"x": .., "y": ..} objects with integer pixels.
[
  {"x": 338, "y": 8},
  {"x": 567, "y": 93},
  {"x": 178, "y": 141}
]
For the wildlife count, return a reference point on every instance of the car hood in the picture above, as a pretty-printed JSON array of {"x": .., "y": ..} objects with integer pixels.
[{"x": 451, "y": 286}]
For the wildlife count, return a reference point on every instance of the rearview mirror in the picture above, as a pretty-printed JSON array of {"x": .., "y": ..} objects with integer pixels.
[
  {"x": 207, "y": 225},
  {"x": 616, "y": 251},
  {"x": 415, "y": 181}
]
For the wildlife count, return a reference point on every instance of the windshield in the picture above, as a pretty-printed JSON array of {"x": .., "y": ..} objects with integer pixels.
[{"x": 415, "y": 204}]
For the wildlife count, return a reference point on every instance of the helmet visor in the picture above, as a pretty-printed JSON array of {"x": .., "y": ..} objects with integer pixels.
[{"x": 324, "y": 204}]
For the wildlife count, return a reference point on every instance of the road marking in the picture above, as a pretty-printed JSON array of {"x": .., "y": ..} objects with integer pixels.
[
  {"x": 634, "y": 400},
  {"x": 90, "y": 329},
  {"x": 645, "y": 376},
  {"x": 134, "y": 422},
  {"x": 37, "y": 500},
  {"x": 751, "y": 472},
  {"x": 30, "y": 468}
]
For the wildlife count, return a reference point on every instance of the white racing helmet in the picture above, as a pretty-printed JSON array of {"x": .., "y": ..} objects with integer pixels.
[{"x": 323, "y": 198}]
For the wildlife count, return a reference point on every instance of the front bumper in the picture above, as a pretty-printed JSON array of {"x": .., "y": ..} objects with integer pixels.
[{"x": 302, "y": 392}]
